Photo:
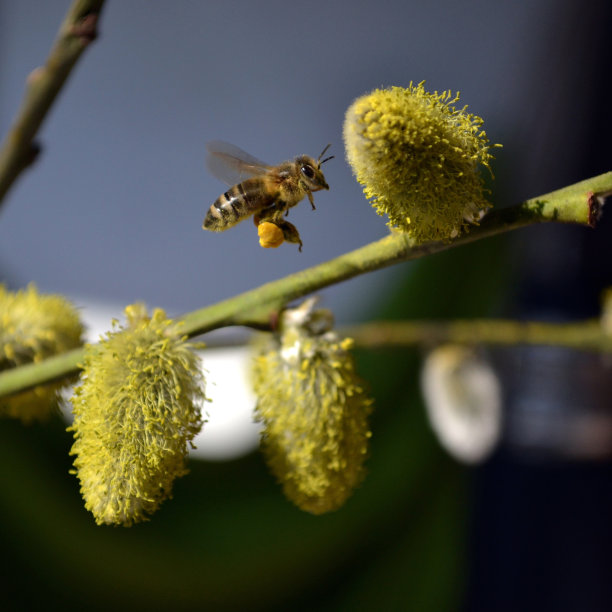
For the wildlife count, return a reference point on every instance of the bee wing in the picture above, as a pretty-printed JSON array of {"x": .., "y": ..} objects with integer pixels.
[{"x": 232, "y": 165}]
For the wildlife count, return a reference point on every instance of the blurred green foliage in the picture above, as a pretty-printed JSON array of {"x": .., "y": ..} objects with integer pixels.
[{"x": 229, "y": 540}]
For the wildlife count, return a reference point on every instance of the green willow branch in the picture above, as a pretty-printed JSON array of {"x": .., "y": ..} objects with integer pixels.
[
  {"x": 583, "y": 335},
  {"x": 580, "y": 203},
  {"x": 76, "y": 32}
]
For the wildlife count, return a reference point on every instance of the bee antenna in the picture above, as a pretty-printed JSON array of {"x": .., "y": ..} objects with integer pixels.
[
  {"x": 319, "y": 162},
  {"x": 322, "y": 154}
]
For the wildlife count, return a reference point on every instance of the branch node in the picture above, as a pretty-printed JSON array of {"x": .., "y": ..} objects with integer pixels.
[
  {"x": 86, "y": 28},
  {"x": 274, "y": 320},
  {"x": 32, "y": 154},
  {"x": 595, "y": 203},
  {"x": 35, "y": 76}
]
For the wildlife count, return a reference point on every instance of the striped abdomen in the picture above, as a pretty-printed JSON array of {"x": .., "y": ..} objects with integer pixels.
[{"x": 236, "y": 204}]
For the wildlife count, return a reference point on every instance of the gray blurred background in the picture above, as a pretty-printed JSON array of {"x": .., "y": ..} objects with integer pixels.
[{"x": 112, "y": 210}]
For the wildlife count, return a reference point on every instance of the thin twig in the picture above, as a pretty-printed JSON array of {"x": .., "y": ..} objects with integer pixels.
[
  {"x": 19, "y": 148},
  {"x": 584, "y": 335}
]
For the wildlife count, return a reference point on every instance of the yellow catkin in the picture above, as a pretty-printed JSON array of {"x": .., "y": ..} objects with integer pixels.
[
  {"x": 135, "y": 412},
  {"x": 418, "y": 159},
  {"x": 315, "y": 411},
  {"x": 34, "y": 327}
]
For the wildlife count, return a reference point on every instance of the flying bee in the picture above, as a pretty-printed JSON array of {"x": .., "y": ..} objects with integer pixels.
[{"x": 268, "y": 192}]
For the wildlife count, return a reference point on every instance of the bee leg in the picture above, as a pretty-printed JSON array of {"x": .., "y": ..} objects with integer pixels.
[
  {"x": 290, "y": 233},
  {"x": 311, "y": 200},
  {"x": 281, "y": 208},
  {"x": 274, "y": 212}
]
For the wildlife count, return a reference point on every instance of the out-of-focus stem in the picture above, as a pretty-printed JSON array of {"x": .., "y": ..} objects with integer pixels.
[
  {"x": 19, "y": 148},
  {"x": 584, "y": 335}
]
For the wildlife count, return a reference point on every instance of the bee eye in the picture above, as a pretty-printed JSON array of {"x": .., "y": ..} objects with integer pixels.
[{"x": 308, "y": 172}]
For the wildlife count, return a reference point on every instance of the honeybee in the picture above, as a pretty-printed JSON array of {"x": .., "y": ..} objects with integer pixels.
[{"x": 266, "y": 191}]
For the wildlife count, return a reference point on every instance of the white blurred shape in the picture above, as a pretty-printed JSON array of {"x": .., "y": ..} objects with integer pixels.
[
  {"x": 463, "y": 401},
  {"x": 230, "y": 431}
]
